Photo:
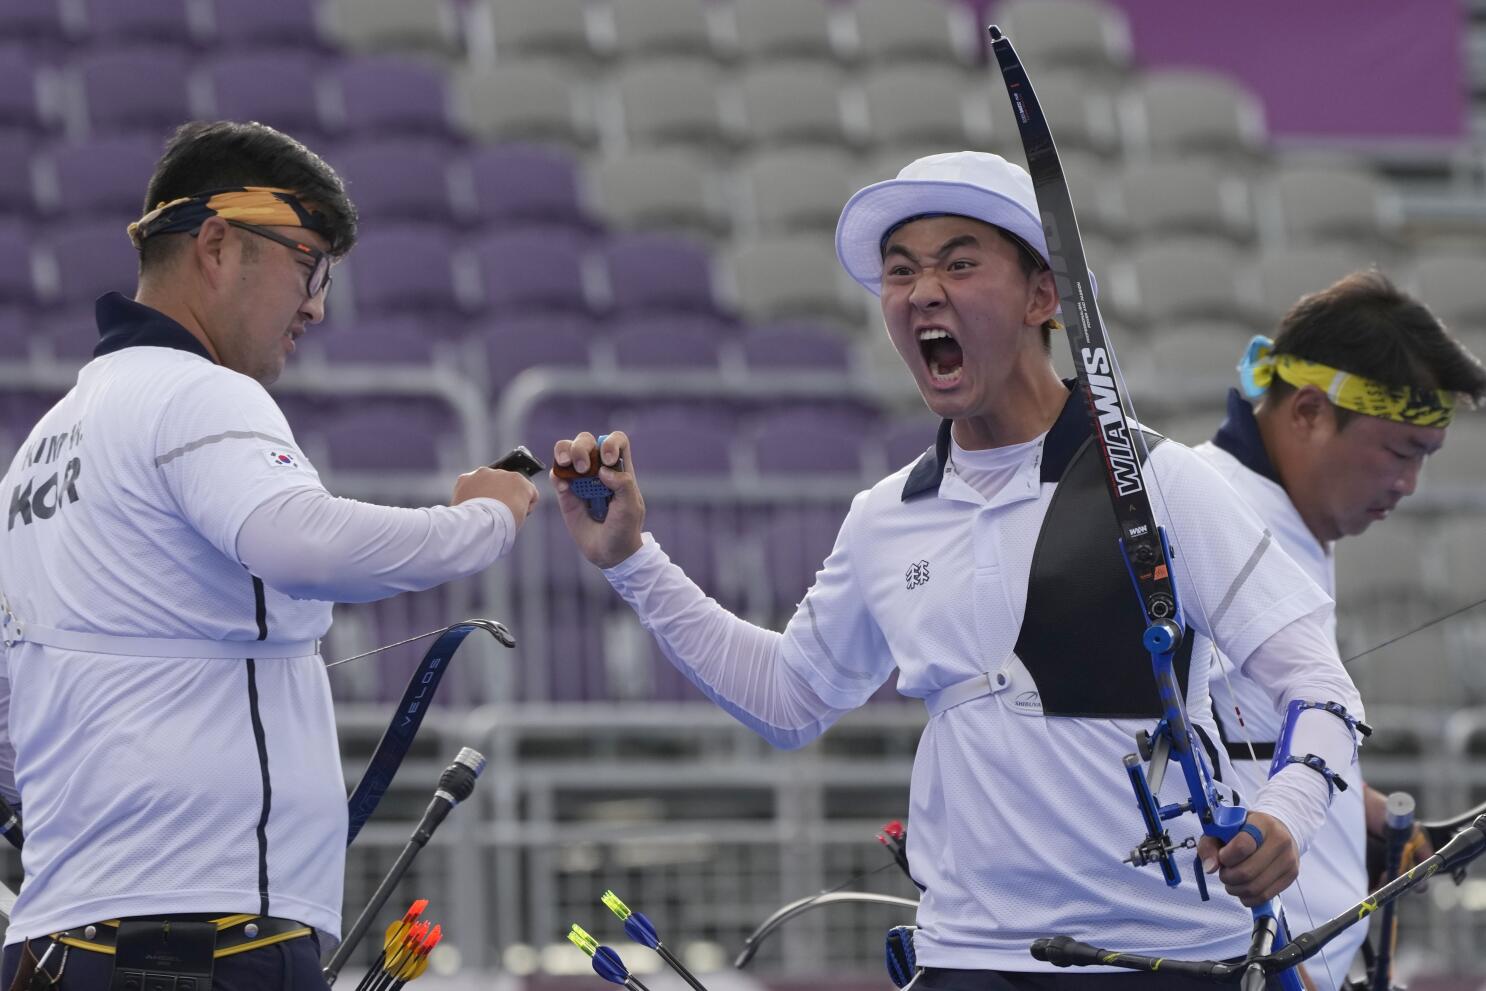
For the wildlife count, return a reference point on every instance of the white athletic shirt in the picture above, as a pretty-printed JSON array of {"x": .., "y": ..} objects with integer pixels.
[
  {"x": 1333, "y": 873},
  {"x": 1018, "y": 822},
  {"x": 167, "y": 784}
]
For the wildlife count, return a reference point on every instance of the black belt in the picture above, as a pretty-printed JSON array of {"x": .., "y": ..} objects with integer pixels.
[
  {"x": 1249, "y": 751},
  {"x": 235, "y": 933}
]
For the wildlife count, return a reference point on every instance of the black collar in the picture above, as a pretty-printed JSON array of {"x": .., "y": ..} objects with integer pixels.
[
  {"x": 1239, "y": 436},
  {"x": 1064, "y": 438},
  {"x": 123, "y": 323}
]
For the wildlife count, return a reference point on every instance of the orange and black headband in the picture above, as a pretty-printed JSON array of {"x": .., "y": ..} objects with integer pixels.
[{"x": 261, "y": 205}]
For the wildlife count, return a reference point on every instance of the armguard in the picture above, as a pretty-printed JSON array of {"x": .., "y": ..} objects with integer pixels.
[{"x": 1283, "y": 757}]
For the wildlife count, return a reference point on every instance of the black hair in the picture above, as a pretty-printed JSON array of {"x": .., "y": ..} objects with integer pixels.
[
  {"x": 204, "y": 155},
  {"x": 1365, "y": 325}
]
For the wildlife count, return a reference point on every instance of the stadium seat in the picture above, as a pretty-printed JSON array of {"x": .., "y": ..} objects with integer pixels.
[
  {"x": 1463, "y": 542},
  {"x": 680, "y": 439},
  {"x": 396, "y": 179},
  {"x": 394, "y": 339},
  {"x": 266, "y": 24},
  {"x": 810, "y": 439},
  {"x": 403, "y": 268},
  {"x": 1171, "y": 112},
  {"x": 769, "y": 29},
  {"x": 795, "y": 544},
  {"x": 1195, "y": 357},
  {"x": 15, "y": 265},
  {"x": 16, "y": 336},
  {"x": 666, "y": 342},
  {"x": 795, "y": 189},
  {"x": 1093, "y": 35},
  {"x": 1344, "y": 204},
  {"x": 131, "y": 89},
  {"x": 17, "y": 198},
  {"x": 106, "y": 175},
  {"x": 395, "y": 435},
  {"x": 376, "y": 95},
  {"x": 20, "y": 103},
  {"x": 667, "y": 188},
  {"x": 539, "y": 28},
  {"x": 793, "y": 103},
  {"x": 789, "y": 276},
  {"x": 35, "y": 24},
  {"x": 1178, "y": 279},
  {"x": 1079, "y": 107},
  {"x": 523, "y": 101},
  {"x": 1460, "y": 466},
  {"x": 924, "y": 31},
  {"x": 534, "y": 268},
  {"x": 1385, "y": 563},
  {"x": 1450, "y": 283},
  {"x": 87, "y": 258},
  {"x": 279, "y": 88},
  {"x": 648, "y": 28},
  {"x": 423, "y": 26},
  {"x": 515, "y": 343},
  {"x": 931, "y": 106},
  {"x": 107, "y": 22},
  {"x": 651, "y": 271},
  {"x": 670, "y": 101},
  {"x": 1185, "y": 196},
  {"x": 904, "y": 440},
  {"x": 796, "y": 347},
  {"x": 517, "y": 183},
  {"x": 1286, "y": 274}
]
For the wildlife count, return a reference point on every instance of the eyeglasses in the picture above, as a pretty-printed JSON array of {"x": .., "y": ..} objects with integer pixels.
[{"x": 319, "y": 277}]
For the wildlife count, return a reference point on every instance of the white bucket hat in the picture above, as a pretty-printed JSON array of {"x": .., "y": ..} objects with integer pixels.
[{"x": 974, "y": 184}]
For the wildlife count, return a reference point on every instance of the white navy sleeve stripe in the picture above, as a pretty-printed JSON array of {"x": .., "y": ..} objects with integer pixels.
[
  {"x": 1240, "y": 578},
  {"x": 194, "y": 445}
]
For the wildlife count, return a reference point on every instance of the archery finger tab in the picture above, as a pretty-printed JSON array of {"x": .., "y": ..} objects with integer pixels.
[{"x": 1255, "y": 832}]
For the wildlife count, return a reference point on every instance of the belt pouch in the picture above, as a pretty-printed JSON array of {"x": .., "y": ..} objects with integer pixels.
[{"x": 163, "y": 955}]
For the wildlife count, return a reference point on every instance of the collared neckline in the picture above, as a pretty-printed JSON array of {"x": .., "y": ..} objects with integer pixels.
[
  {"x": 1062, "y": 441},
  {"x": 1239, "y": 436},
  {"x": 124, "y": 323}
]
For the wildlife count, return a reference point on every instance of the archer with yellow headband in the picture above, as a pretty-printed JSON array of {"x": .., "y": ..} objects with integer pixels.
[
  {"x": 167, "y": 570},
  {"x": 1328, "y": 432}
]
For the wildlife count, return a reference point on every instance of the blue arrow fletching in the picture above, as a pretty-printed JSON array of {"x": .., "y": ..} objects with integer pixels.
[
  {"x": 639, "y": 929},
  {"x": 606, "y": 964}
]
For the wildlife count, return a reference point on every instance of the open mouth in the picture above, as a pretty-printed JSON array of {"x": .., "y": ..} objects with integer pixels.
[{"x": 942, "y": 355}]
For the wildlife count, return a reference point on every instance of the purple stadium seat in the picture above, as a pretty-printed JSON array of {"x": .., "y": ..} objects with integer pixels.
[
  {"x": 521, "y": 183},
  {"x": 404, "y": 268},
  {"x": 16, "y": 330},
  {"x": 905, "y": 440},
  {"x": 69, "y": 333},
  {"x": 19, "y": 107},
  {"x": 34, "y": 23},
  {"x": 533, "y": 268},
  {"x": 391, "y": 340},
  {"x": 796, "y": 347},
  {"x": 397, "y": 178},
  {"x": 106, "y": 175},
  {"x": 388, "y": 435},
  {"x": 514, "y": 344},
  {"x": 268, "y": 23},
  {"x": 557, "y": 418},
  {"x": 16, "y": 147},
  {"x": 811, "y": 439},
  {"x": 668, "y": 341},
  {"x": 274, "y": 87},
  {"x": 133, "y": 89},
  {"x": 680, "y": 439},
  {"x": 385, "y": 94},
  {"x": 15, "y": 264},
  {"x": 157, "y": 21},
  {"x": 796, "y": 543},
  {"x": 651, "y": 271},
  {"x": 92, "y": 257}
]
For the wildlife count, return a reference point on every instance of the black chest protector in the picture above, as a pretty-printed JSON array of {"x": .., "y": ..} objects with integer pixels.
[{"x": 1081, "y": 631}]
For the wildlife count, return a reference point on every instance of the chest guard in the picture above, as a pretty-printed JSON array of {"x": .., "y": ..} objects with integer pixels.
[{"x": 1081, "y": 633}]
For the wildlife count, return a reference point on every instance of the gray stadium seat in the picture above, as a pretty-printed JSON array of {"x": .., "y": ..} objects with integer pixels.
[
  {"x": 1463, "y": 542},
  {"x": 1093, "y": 35},
  {"x": 1176, "y": 111},
  {"x": 1460, "y": 466},
  {"x": 1390, "y": 560},
  {"x": 428, "y": 26},
  {"x": 1346, "y": 204},
  {"x": 1185, "y": 196},
  {"x": 792, "y": 103},
  {"x": 792, "y": 276},
  {"x": 669, "y": 188},
  {"x": 766, "y": 29},
  {"x": 926, "y": 31},
  {"x": 1195, "y": 357},
  {"x": 669, "y": 101},
  {"x": 795, "y": 189},
  {"x": 1285, "y": 274},
  {"x": 645, "y": 28},
  {"x": 931, "y": 105},
  {"x": 527, "y": 100},
  {"x": 535, "y": 28},
  {"x": 1453, "y": 285},
  {"x": 1178, "y": 279}
]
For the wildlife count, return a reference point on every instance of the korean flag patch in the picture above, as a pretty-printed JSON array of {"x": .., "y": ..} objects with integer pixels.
[{"x": 282, "y": 459}]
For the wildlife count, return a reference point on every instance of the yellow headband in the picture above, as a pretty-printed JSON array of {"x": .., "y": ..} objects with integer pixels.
[
  {"x": 260, "y": 205},
  {"x": 1419, "y": 407}
]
